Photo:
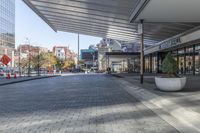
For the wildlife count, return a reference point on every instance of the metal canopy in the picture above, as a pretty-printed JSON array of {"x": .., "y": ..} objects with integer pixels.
[
  {"x": 103, "y": 18},
  {"x": 169, "y": 11}
]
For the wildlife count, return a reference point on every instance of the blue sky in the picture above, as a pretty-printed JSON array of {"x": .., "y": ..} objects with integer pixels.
[{"x": 29, "y": 25}]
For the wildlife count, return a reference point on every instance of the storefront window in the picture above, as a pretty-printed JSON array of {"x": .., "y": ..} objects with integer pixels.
[
  {"x": 154, "y": 63},
  {"x": 197, "y": 59},
  {"x": 147, "y": 64},
  {"x": 181, "y": 67}
]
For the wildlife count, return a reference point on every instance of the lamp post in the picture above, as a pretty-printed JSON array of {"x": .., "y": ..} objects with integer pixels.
[
  {"x": 19, "y": 61},
  {"x": 29, "y": 57},
  {"x": 38, "y": 61}
]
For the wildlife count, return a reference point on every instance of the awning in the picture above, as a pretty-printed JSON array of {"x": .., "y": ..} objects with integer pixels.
[{"x": 104, "y": 18}]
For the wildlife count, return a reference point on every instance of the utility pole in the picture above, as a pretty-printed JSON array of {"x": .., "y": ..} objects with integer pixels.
[
  {"x": 29, "y": 58},
  {"x": 29, "y": 61},
  {"x": 19, "y": 61},
  {"x": 38, "y": 61}
]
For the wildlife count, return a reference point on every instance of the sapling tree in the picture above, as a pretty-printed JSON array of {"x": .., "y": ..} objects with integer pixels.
[{"x": 169, "y": 66}]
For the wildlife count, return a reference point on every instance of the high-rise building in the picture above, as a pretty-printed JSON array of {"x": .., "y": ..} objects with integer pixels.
[
  {"x": 7, "y": 29},
  {"x": 7, "y": 23}
]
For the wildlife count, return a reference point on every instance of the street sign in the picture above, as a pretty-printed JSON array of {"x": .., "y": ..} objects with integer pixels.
[{"x": 5, "y": 60}]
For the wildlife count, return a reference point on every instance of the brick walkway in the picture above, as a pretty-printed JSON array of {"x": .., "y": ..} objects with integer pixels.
[{"x": 75, "y": 104}]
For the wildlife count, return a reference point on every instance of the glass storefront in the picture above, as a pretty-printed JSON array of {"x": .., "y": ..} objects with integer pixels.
[
  {"x": 188, "y": 60},
  {"x": 197, "y": 59},
  {"x": 147, "y": 65}
]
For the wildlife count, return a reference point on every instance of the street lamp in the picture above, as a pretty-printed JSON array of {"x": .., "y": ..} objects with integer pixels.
[
  {"x": 19, "y": 61},
  {"x": 29, "y": 56},
  {"x": 38, "y": 61}
]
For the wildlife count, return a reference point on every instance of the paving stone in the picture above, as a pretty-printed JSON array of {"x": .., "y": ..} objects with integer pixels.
[{"x": 75, "y": 104}]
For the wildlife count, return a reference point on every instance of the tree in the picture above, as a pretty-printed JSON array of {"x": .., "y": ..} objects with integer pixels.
[
  {"x": 169, "y": 65},
  {"x": 44, "y": 60},
  {"x": 68, "y": 64}
]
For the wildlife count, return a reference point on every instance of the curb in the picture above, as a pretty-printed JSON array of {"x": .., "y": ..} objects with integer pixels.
[
  {"x": 14, "y": 82},
  {"x": 116, "y": 75}
]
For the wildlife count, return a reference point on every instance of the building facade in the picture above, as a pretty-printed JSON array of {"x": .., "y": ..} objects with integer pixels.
[
  {"x": 185, "y": 48},
  {"x": 7, "y": 29},
  {"x": 7, "y": 23},
  {"x": 33, "y": 50},
  {"x": 63, "y": 53},
  {"x": 90, "y": 57}
]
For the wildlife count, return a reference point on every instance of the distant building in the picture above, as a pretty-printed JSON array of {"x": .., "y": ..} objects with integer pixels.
[
  {"x": 34, "y": 50},
  {"x": 63, "y": 53},
  {"x": 90, "y": 57}
]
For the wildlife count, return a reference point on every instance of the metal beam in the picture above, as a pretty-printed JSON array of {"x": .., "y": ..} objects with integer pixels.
[
  {"x": 137, "y": 10},
  {"x": 98, "y": 11},
  {"x": 39, "y": 14}
]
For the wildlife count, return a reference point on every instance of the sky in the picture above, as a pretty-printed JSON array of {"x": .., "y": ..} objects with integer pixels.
[{"x": 29, "y": 25}]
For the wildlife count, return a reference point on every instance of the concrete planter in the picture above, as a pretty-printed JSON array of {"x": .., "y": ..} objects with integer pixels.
[{"x": 170, "y": 84}]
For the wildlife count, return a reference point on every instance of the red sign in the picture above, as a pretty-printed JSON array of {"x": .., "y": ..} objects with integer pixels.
[{"x": 5, "y": 60}]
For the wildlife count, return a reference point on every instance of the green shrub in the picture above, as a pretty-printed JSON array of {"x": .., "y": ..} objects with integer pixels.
[{"x": 169, "y": 65}]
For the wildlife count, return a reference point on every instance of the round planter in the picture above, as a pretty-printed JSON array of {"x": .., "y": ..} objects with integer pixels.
[{"x": 170, "y": 84}]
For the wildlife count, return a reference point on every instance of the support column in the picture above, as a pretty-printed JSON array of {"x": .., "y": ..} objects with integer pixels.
[
  {"x": 150, "y": 63},
  {"x": 78, "y": 53},
  {"x": 177, "y": 56},
  {"x": 184, "y": 60},
  {"x": 142, "y": 52},
  {"x": 193, "y": 61},
  {"x": 158, "y": 61}
]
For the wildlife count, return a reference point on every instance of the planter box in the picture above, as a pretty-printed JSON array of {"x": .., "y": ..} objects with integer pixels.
[{"x": 170, "y": 84}]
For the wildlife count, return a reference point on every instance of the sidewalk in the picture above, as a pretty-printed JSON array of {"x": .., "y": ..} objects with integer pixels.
[
  {"x": 181, "y": 109},
  {"x": 23, "y": 79}
]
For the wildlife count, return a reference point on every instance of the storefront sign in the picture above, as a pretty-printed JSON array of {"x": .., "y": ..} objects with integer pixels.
[{"x": 170, "y": 43}]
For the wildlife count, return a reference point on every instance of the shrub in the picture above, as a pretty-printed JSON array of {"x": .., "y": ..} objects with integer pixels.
[{"x": 169, "y": 65}]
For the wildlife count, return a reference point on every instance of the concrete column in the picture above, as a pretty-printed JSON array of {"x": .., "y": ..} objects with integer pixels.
[
  {"x": 78, "y": 53},
  {"x": 177, "y": 56},
  {"x": 158, "y": 60},
  {"x": 193, "y": 60},
  {"x": 184, "y": 60},
  {"x": 150, "y": 63},
  {"x": 142, "y": 52}
]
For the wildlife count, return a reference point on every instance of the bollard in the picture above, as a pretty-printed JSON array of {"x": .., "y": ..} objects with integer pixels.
[
  {"x": 15, "y": 76},
  {"x": 8, "y": 76}
]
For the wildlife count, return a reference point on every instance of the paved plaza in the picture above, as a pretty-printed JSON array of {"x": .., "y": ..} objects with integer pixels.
[{"x": 75, "y": 104}]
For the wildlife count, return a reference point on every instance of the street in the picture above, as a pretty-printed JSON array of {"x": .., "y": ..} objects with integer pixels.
[{"x": 92, "y": 103}]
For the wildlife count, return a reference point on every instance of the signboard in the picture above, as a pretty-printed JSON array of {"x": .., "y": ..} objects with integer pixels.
[
  {"x": 170, "y": 43},
  {"x": 5, "y": 60}
]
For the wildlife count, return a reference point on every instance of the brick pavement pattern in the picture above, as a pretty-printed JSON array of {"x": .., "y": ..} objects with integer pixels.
[{"x": 75, "y": 104}]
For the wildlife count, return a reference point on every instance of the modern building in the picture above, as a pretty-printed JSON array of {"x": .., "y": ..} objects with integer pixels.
[
  {"x": 90, "y": 57},
  {"x": 184, "y": 47},
  {"x": 7, "y": 23},
  {"x": 7, "y": 28},
  {"x": 136, "y": 21}
]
